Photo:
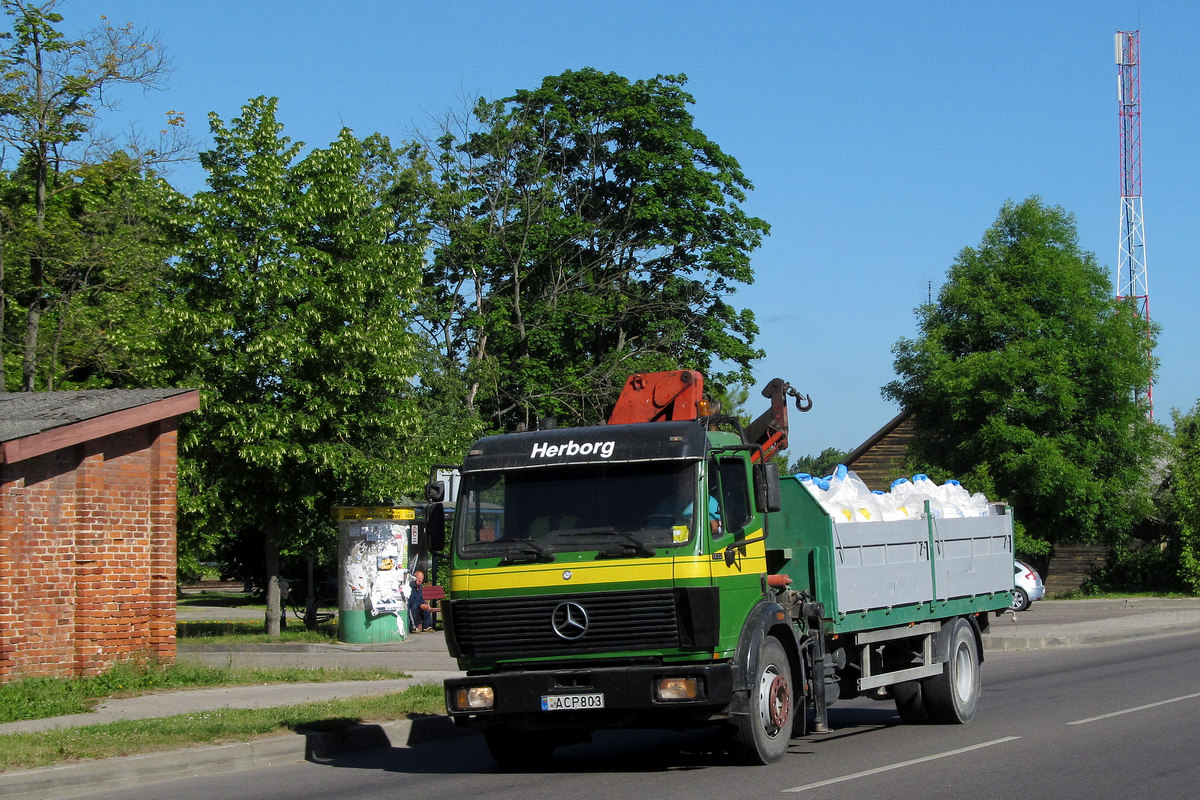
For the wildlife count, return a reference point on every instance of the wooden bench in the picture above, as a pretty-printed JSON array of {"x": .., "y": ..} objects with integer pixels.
[{"x": 433, "y": 595}]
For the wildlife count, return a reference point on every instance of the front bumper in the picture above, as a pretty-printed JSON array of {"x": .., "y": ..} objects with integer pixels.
[{"x": 628, "y": 691}]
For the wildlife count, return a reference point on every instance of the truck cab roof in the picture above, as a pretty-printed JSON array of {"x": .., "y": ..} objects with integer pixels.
[{"x": 651, "y": 441}]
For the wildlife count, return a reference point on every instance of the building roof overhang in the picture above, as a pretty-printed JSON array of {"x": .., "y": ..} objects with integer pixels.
[{"x": 36, "y": 423}]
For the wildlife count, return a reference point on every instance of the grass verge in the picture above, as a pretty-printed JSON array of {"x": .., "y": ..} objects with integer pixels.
[
  {"x": 37, "y": 698},
  {"x": 251, "y": 632},
  {"x": 131, "y": 737},
  {"x": 220, "y": 600}
]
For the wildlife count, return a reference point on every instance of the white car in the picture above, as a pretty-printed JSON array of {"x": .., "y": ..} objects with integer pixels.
[{"x": 1027, "y": 586}]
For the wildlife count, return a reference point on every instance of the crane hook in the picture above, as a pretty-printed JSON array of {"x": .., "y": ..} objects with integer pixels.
[{"x": 803, "y": 401}]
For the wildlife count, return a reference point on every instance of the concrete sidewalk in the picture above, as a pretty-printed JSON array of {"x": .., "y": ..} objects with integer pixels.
[
  {"x": 1073, "y": 623},
  {"x": 1063, "y": 623}
]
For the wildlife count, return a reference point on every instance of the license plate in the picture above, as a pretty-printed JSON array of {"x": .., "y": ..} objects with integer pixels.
[{"x": 571, "y": 702}]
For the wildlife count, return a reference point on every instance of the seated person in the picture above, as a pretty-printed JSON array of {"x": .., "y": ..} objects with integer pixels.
[
  {"x": 420, "y": 618},
  {"x": 714, "y": 514}
]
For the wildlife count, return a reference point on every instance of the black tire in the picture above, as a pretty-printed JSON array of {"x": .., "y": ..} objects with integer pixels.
[
  {"x": 910, "y": 702},
  {"x": 953, "y": 696},
  {"x": 1020, "y": 599},
  {"x": 519, "y": 750},
  {"x": 762, "y": 736}
]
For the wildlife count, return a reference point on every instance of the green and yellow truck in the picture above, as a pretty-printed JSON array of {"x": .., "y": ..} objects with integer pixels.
[{"x": 658, "y": 572}]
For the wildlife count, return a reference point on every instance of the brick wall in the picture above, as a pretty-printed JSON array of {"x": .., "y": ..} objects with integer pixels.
[{"x": 87, "y": 555}]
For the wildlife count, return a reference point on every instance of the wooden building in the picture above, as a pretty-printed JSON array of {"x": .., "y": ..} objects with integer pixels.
[{"x": 881, "y": 458}]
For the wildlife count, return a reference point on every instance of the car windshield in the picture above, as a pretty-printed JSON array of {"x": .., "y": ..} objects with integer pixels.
[{"x": 617, "y": 510}]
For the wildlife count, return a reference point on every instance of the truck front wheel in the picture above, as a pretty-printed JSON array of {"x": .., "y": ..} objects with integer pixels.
[
  {"x": 952, "y": 696},
  {"x": 762, "y": 736}
]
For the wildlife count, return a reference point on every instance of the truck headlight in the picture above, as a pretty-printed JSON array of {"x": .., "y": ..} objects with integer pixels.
[
  {"x": 677, "y": 688},
  {"x": 474, "y": 698}
]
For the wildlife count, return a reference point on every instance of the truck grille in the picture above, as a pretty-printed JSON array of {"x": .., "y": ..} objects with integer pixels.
[{"x": 517, "y": 627}]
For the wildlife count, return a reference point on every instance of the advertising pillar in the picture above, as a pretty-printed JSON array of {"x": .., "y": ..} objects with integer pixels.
[{"x": 374, "y": 543}]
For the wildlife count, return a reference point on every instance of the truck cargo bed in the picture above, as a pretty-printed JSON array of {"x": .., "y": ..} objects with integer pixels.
[
  {"x": 877, "y": 574},
  {"x": 888, "y": 564}
]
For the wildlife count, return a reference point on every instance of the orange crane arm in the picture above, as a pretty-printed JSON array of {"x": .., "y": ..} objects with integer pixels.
[
  {"x": 659, "y": 396},
  {"x": 662, "y": 396}
]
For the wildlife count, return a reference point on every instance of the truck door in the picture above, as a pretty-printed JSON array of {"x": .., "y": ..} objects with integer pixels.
[{"x": 738, "y": 575}]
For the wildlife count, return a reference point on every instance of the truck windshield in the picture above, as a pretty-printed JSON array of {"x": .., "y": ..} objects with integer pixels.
[{"x": 617, "y": 510}]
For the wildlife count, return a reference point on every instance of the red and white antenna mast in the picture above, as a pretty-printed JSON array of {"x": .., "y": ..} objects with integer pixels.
[{"x": 1131, "y": 280}]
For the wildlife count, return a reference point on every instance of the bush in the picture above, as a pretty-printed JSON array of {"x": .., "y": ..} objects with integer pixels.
[{"x": 1151, "y": 569}]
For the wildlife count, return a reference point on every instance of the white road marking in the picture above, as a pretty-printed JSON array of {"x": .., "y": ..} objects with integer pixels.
[
  {"x": 1136, "y": 708},
  {"x": 909, "y": 763}
]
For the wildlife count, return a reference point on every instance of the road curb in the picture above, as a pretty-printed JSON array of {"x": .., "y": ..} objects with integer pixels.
[
  {"x": 117, "y": 773},
  {"x": 1051, "y": 641}
]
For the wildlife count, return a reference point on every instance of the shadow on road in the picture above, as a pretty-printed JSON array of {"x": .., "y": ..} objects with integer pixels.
[{"x": 436, "y": 748}]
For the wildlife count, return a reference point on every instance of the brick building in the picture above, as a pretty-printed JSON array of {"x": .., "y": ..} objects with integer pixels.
[{"x": 87, "y": 529}]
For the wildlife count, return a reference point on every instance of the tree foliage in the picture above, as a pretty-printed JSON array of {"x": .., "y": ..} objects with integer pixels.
[
  {"x": 1185, "y": 481},
  {"x": 295, "y": 278},
  {"x": 587, "y": 230},
  {"x": 824, "y": 463},
  {"x": 51, "y": 90},
  {"x": 1024, "y": 380},
  {"x": 74, "y": 247},
  {"x": 105, "y": 241}
]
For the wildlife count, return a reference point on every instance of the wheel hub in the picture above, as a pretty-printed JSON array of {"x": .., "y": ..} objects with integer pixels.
[
  {"x": 780, "y": 702},
  {"x": 775, "y": 701}
]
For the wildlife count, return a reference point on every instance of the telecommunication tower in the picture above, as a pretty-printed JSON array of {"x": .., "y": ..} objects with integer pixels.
[{"x": 1131, "y": 281}]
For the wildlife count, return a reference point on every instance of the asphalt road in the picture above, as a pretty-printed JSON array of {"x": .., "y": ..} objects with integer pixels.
[{"x": 1098, "y": 722}]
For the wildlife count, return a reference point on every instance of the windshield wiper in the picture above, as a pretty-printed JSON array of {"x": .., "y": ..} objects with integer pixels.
[
  {"x": 639, "y": 547},
  {"x": 528, "y": 552}
]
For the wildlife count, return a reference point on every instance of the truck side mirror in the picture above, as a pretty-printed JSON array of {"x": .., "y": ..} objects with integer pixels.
[
  {"x": 435, "y": 491},
  {"x": 767, "y": 494},
  {"x": 435, "y": 526}
]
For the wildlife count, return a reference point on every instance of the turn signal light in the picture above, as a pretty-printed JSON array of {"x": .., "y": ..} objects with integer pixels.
[
  {"x": 678, "y": 688},
  {"x": 477, "y": 698}
]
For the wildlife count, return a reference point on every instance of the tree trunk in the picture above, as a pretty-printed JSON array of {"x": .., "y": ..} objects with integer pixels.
[
  {"x": 274, "y": 588},
  {"x": 37, "y": 264},
  {"x": 58, "y": 334},
  {"x": 32, "y": 322}
]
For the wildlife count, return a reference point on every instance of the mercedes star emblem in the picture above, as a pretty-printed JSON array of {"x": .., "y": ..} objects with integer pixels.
[{"x": 569, "y": 620}]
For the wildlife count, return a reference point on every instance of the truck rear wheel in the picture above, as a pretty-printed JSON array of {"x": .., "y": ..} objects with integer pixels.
[
  {"x": 518, "y": 750},
  {"x": 762, "y": 736},
  {"x": 910, "y": 702},
  {"x": 952, "y": 696}
]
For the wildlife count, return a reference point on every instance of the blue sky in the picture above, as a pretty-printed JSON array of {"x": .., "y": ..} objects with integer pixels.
[{"x": 881, "y": 137}]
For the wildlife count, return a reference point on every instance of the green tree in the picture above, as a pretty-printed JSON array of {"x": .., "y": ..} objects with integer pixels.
[
  {"x": 295, "y": 280},
  {"x": 1024, "y": 381},
  {"x": 107, "y": 234},
  {"x": 52, "y": 89},
  {"x": 824, "y": 463},
  {"x": 1185, "y": 481},
  {"x": 586, "y": 230}
]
